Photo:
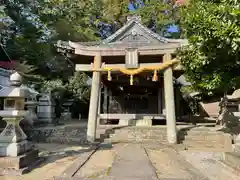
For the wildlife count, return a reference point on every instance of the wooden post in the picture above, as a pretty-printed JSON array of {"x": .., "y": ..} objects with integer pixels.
[
  {"x": 94, "y": 99},
  {"x": 169, "y": 102}
]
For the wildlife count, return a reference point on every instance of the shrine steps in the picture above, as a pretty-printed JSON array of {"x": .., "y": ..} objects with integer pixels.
[
  {"x": 191, "y": 139},
  {"x": 205, "y": 139},
  {"x": 138, "y": 135}
]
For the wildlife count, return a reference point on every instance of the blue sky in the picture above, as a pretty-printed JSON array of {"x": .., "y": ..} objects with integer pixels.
[{"x": 132, "y": 7}]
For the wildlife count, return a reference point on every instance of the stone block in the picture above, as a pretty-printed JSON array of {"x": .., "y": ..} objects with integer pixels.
[
  {"x": 124, "y": 122},
  {"x": 143, "y": 122},
  {"x": 20, "y": 164},
  {"x": 14, "y": 149}
]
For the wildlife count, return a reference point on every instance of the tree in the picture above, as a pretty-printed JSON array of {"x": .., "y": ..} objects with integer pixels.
[
  {"x": 159, "y": 15},
  {"x": 211, "y": 60},
  {"x": 77, "y": 85}
]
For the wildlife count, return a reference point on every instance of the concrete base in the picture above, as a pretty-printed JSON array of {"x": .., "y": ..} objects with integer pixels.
[
  {"x": 144, "y": 122},
  {"x": 126, "y": 122},
  {"x": 14, "y": 149},
  {"x": 21, "y": 164}
]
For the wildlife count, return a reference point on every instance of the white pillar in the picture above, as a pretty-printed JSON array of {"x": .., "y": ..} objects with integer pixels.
[
  {"x": 94, "y": 99},
  {"x": 169, "y": 103}
]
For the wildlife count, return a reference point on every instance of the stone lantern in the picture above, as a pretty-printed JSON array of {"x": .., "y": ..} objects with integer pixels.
[
  {"x": 16, "y": 153},
  {"x": 31, "y": 107}
]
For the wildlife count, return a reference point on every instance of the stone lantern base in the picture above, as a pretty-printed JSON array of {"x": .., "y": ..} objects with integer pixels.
[
  {"x": 21, "y": 164},
  {"x": 17, "y": 155}
]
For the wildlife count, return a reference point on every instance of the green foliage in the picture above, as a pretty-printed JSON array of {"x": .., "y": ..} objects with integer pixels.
[
  {"x": 69, "y": 20},
  {"x": 52, "y": 85},
  {"x": 211, "y": 61},
  {"x": 163, "y": 13},
  {"x": 76, "y": 88},
  {"x": 77, "y": 85}
]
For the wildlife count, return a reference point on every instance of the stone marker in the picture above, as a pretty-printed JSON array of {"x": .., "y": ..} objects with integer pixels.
[
  {"x": 17, "y": 155},
  {"x": 46, "y": 110}
]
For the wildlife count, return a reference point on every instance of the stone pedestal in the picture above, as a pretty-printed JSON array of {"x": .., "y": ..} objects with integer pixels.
[
  {"x": 46, "y": 110},
  {"x": 12, "y": 139},
  {"x": 125, "y": 122},
  {"x": 144, "y": 122},
  {"x": 19, "y": 165},
  {"x": 17, "y": 155},
  {"x": 31, "y": 116}
]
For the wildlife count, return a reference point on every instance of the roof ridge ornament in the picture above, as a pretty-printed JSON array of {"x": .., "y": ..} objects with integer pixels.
[{"x": 135, "y": 18}]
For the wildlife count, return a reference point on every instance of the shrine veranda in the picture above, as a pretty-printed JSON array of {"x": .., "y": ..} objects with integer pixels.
[{"x": 133, "y": 73}]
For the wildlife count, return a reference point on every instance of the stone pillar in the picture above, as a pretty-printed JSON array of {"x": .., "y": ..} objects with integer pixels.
[
  {"x": 94, "y": 99},
  {"x": 169, "y": 102}
]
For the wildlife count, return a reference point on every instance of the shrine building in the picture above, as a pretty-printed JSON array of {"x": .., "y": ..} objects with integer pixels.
[{"x": 133, "y": 73}]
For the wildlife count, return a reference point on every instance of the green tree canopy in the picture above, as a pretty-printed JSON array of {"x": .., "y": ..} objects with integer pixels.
[{"x": 211, "y": 60}]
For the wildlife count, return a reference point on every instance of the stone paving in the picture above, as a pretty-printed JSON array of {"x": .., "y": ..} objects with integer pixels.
[
  {"x": 58, "y": 158},
  {"x": 129, "y": 162}
]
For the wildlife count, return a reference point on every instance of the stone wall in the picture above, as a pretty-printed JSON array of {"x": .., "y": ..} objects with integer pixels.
[{"x": 60, "y": 134}]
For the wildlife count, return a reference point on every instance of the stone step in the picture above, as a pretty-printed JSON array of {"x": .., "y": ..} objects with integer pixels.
[
  {"x": 141, "y": 136},
  {"x": 138, "y": 128},
  {"x": 205, "y": 146},
  {"x": 205, "y": 138},
  {"x": 208, "y": 149},
  {"x": 61, "y": 140},
  {"x": 201, "y": 133},
  {"x": 139, "y": 132},
  {"x": 144, "y": 141},
  {"x": 233, "y": 159},
  {"x": 222, "y": 140}
]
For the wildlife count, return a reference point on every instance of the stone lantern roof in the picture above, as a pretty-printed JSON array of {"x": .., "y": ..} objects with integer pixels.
[{"x": 14, "y": 90}]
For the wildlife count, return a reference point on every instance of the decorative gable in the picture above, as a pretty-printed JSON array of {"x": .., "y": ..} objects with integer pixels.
[{"x": 134, "y": 32}]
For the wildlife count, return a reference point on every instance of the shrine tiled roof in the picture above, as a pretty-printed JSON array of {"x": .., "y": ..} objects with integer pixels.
[{"x": 132, "y": 35}]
